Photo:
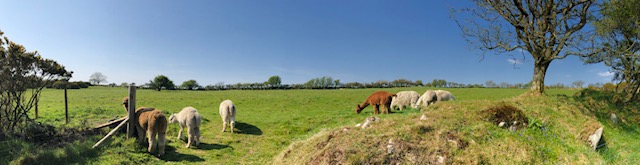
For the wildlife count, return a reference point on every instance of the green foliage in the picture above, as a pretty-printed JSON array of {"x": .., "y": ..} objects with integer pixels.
[
  {"x": 274, "y": 81},
  {"x": 23, "y": 75},
  {"x": 161, "y": 82},
  {"x": 190, "y": 85},
  {"x": 321, "y": 83},
  {"x": 620, "y": 44}
]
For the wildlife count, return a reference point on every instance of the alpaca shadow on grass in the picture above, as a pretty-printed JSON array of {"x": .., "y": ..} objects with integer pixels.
[
  {"x": 172, "y": 156},
  {"x": 205, "y": 146},
  {"x": 249, "y": 129}
]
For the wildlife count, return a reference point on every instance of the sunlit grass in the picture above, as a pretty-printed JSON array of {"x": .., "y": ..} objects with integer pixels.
[{"x": 269, "y": 121}]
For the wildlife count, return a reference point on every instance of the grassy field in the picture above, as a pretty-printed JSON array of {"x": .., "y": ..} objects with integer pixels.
[{"x": 267, "y": 121}]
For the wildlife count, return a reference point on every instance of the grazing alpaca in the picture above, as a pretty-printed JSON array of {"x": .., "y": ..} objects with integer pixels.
[
  {"x": 405, "y": 99},
  {"x": 444, "y": 95},
  {"x": 228, "y": 114},
  {"x": 429, "y": 97},
  {"x": 376, "y": 99},
  {"x": 153, "y": 122},
  {"x": 190, "y": 118}
]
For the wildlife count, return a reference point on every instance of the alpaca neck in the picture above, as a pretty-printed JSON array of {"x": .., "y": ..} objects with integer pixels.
[{"x": 364, "y": 105}]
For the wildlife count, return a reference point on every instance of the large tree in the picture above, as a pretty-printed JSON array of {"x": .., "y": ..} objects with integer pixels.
[
  {"x": 546, "y": 29},
  {"x": 160, "y": 82},
  {"x": 97, "y": 78},
  {"x": 619, "y": 35},
  {"x": 23, "y": 75}
]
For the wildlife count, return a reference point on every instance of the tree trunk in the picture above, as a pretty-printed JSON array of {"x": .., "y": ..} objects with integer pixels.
[{"x": 539, "y": 71}]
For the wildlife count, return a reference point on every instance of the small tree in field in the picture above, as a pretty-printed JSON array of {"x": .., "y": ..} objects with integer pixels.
[
  {"x": 97, "y": 78},
  {"x": 577, "y": 84},
  {"x": 23, "y": 75},
  {"x": 190, "y": 85},
  {"x": 547, "y": 30},
  {"x": 160, "y": 82},
  {"x": 274, "y": 81}
]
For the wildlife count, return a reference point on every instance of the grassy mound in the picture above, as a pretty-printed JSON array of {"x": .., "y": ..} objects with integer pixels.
[{"x": 462, "y": 133}]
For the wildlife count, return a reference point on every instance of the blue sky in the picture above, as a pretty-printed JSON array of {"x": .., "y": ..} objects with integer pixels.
[{"x": 249, "y": 41}]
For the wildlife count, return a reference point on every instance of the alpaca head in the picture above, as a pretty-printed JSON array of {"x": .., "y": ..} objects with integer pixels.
[
  {"x": 173, "y": 119},
  {"x": 125, "y": 103},
  {"x": 358, "y": 109}
]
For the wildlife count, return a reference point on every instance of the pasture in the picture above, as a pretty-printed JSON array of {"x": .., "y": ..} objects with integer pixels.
[{"x": 267, "y": 121}]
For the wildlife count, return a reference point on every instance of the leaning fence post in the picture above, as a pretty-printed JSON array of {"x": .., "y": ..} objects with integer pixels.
[{"x": 131, "y": 109}]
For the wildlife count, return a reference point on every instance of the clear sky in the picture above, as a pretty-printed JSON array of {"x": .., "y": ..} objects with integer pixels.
[{"x": 249, "y": 41}]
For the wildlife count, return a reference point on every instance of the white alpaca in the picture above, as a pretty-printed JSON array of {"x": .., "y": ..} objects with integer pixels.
[
  {"x": 405, "y": 99},
  {"x": 190, "y": 118},
  {"x": 443, "y": 95},
  {"x": 429, "y": 97},
  {"x": 228, "y": 114}
]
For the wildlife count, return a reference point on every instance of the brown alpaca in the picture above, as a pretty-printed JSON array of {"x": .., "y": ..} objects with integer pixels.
[
  {"x": 376, "y": 99},
  {"x": 153, "y": 122}
]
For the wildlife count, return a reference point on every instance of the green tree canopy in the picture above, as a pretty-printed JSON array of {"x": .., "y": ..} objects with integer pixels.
[
  {"x": 274, "y": 81},
  {"x": 619, "y": 33},
  {"x": 160, "y": 82},
  {"x": 190, "y": 85}
]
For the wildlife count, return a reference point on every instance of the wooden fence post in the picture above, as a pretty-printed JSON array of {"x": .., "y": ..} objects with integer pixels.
[
  {"x": 132, "y": 112},
  {"x": 66, "y": 105}
]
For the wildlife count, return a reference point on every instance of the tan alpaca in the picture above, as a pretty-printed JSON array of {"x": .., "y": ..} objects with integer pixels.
[
  {"x": 153, "y": 122},
  {"x": 376, "y": 99}
]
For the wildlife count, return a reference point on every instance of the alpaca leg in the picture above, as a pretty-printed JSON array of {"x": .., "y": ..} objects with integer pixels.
[
  {"x": 180, "y": 136},
  {"x": 152, "y": 140},
  {"x": 376, "y": 109},
  {"x": 197, "y": 133},
  {"x": 190, "y": 137},
  {"x": 233, "y": 123},
  {"x": 224, "y": 126},
  {"x": 141, "y": 133},
  {"x": 162, "y": 141}
]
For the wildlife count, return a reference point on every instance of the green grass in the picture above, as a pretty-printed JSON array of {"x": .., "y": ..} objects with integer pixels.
[{"x": 269, "y": 121}]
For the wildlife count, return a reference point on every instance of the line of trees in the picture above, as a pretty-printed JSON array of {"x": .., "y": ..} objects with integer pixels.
[{"x": 162, "y": 82}]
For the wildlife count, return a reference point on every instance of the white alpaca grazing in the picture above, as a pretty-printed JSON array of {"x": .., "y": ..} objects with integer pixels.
[
  {"x": 190, "y": 118},
  {"x": 443, "y": 95},
  {"x": 228, "y": 114},
  {"x": 429, "y": 97},
  {"x": 405, "y": 99}
]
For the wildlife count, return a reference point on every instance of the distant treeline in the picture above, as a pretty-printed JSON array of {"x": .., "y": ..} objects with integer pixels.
[
  {"x": 330, "y": 83},
  {"x": 61, "y": 84}
]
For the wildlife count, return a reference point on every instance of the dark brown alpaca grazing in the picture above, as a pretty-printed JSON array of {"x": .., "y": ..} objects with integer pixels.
[{"x": 376, "y": 99}]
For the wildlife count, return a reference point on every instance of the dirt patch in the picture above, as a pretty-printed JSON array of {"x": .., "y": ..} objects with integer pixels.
[
  {"x": 334, "y": 156},
  {"x": 456, "y": 140},
  {"x": 508, "y": 115}
]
